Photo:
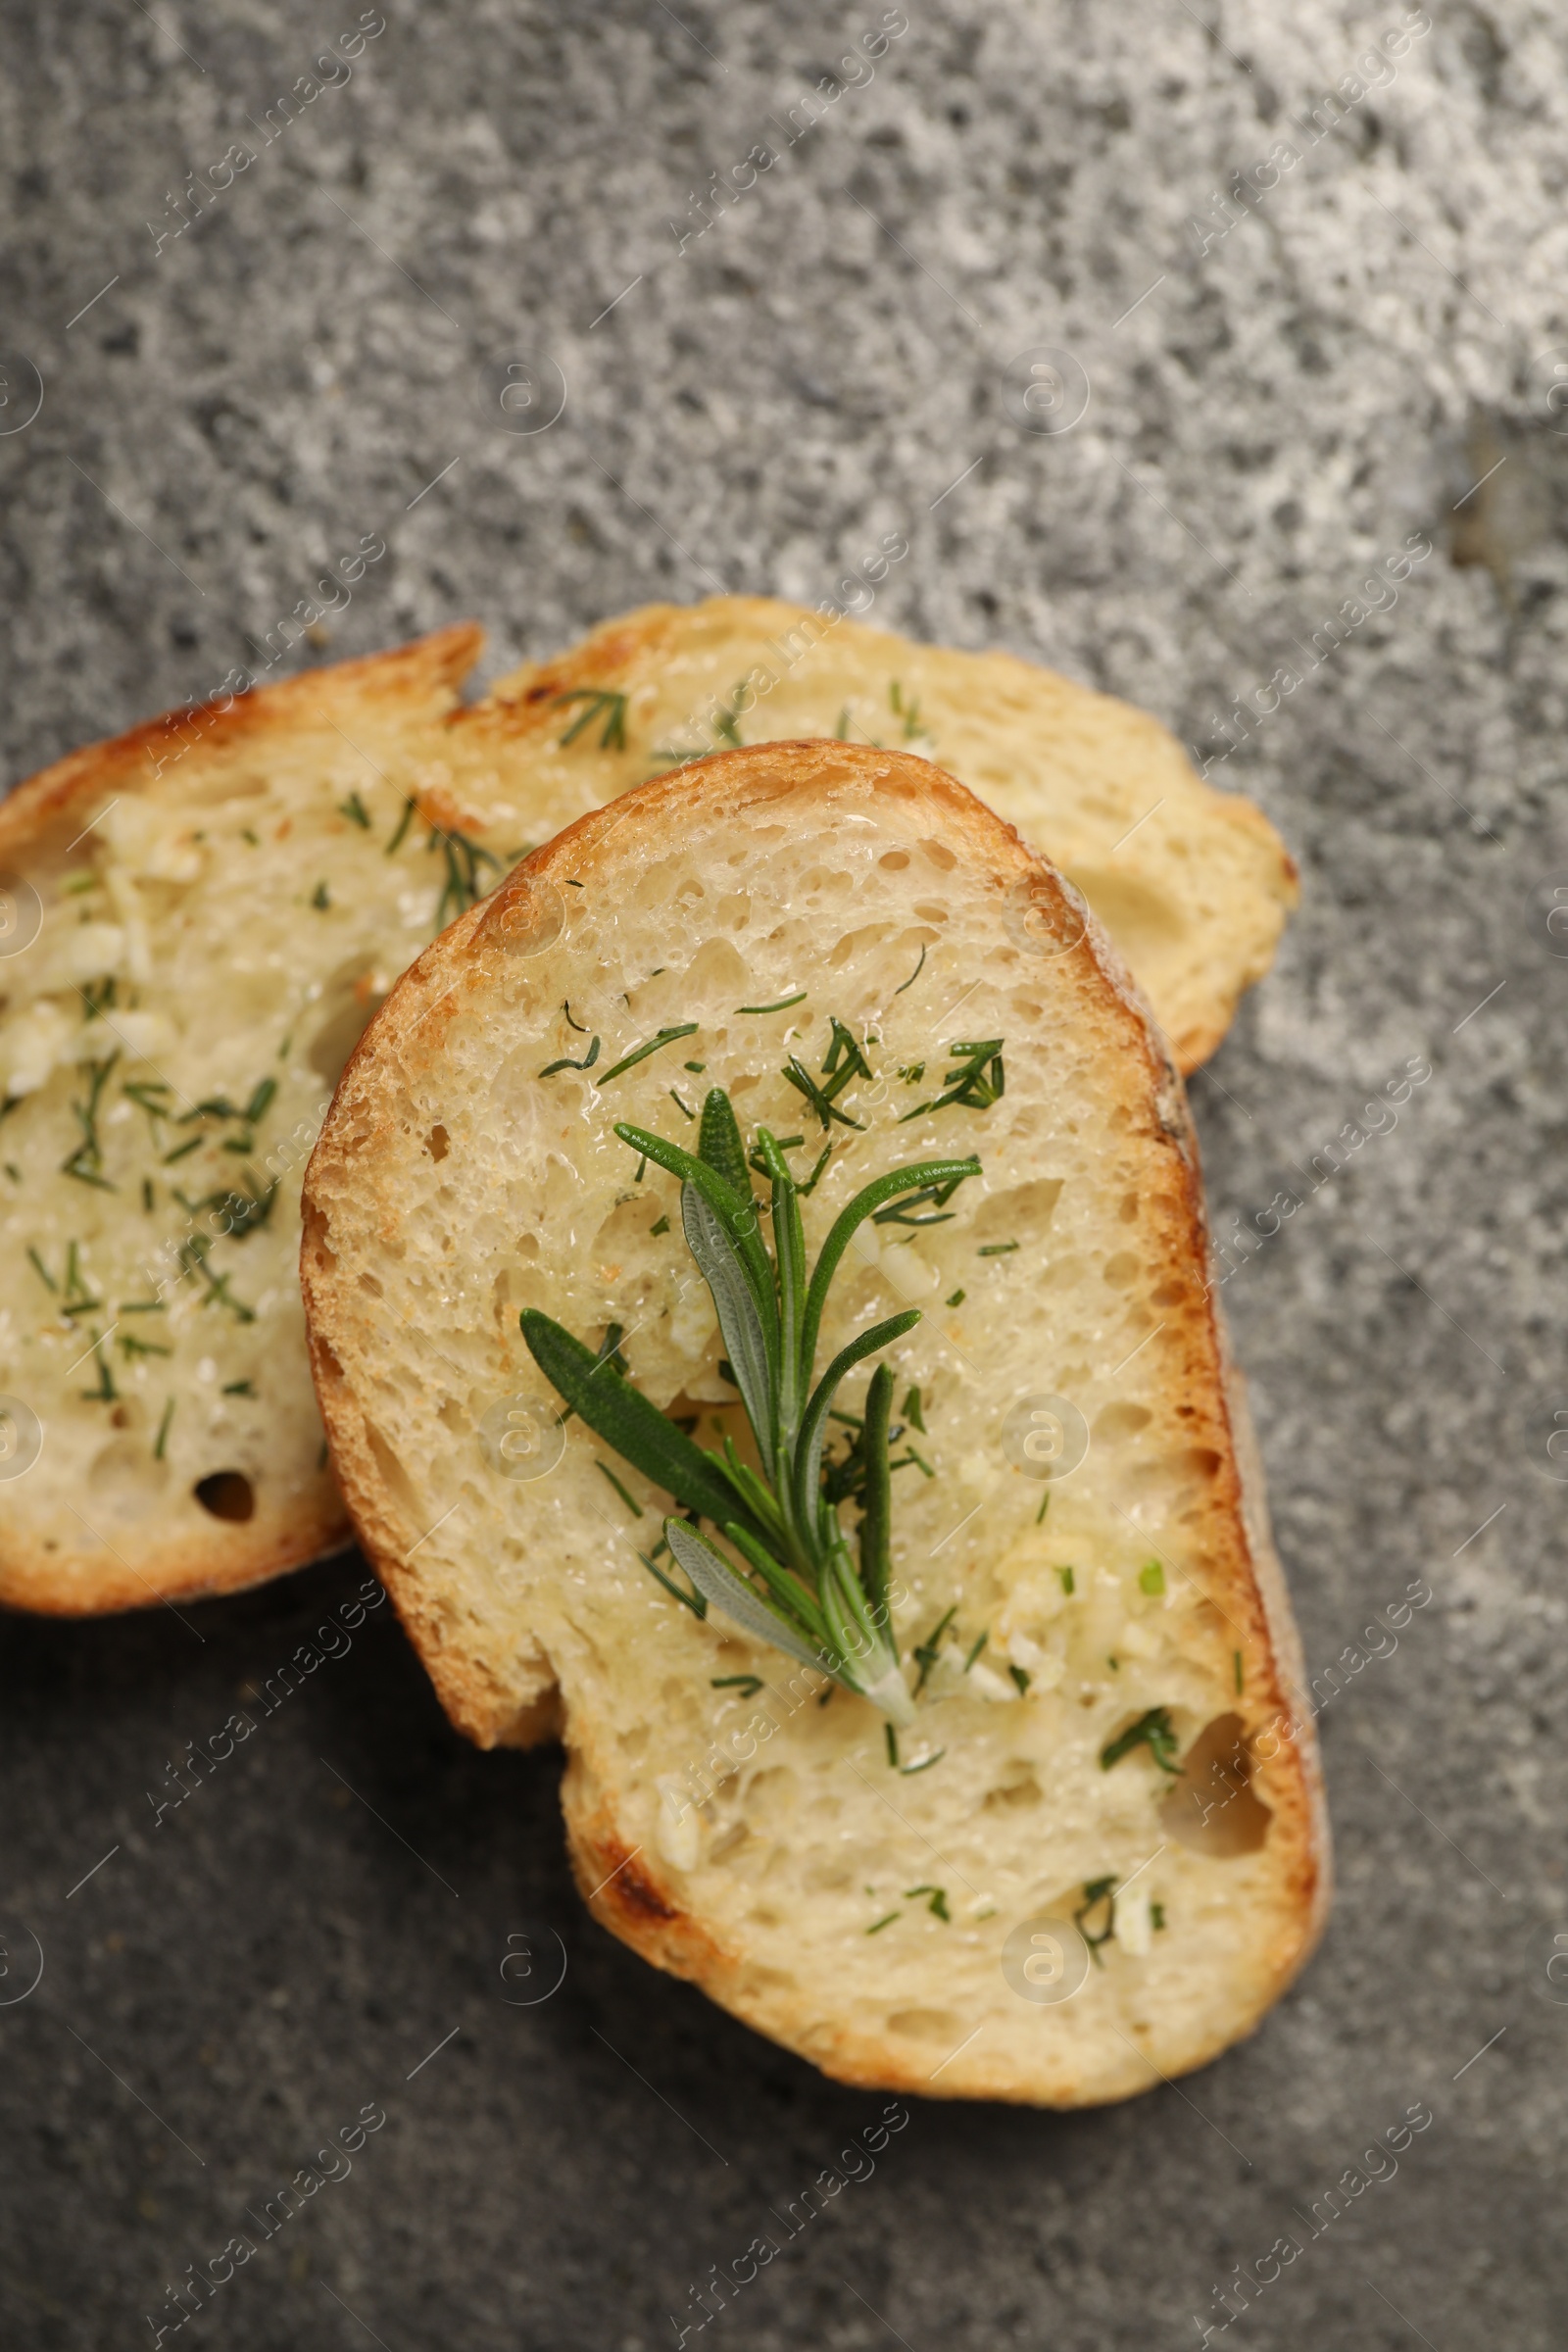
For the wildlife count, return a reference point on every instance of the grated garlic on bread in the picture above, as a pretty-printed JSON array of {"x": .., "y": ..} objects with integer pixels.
[
  {"x": 1099, "y": 1851},
  {"x": 1193, "y": 885}
]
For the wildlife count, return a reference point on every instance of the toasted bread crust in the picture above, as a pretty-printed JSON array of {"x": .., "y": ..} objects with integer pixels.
[{"x": 495, "y": 1698}]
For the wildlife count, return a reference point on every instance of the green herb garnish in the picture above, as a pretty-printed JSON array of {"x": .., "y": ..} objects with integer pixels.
[
  {"x": 797, "y": 1585},
  {"x": 1097, "y": 1891},
  {"x": 1153, "y": 1731},
  {"x": 355, "y": 811},
  {"x": 1152, "y": 1577},
  {"x": 977, "y": 1081},
  {"x": 86, "y": 1162},
  {"x": 925, "y": 1652},
  {"x": 747, "y": 1685},
  {"x": 320, "y": 898},
  {"x": 783, "y": 1004},
  {"x": 163, "y": 1431},
  {"x": 666, "y": 1037},
  {"x": 844, "y": 1062},
  {"x": 938, "y": 1903},
  {"x": 956, "y": 1298},
  {"x": 602, "y": 703},
  {"x": 565, "y": 1061},
  {"x": 463, "y": 887}
]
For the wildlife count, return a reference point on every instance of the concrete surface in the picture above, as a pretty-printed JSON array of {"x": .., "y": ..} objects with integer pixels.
[{"x": 1269, "y": 420}]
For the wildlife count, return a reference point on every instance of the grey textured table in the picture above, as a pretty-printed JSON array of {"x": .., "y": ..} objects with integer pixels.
[{"x": 1352, "y": 357}]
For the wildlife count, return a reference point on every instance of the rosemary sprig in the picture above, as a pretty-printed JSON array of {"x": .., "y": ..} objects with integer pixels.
[{"x": 796, "y": 1585}]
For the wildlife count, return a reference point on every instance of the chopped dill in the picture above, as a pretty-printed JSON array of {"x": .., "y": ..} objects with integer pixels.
[
  {"x": 163, "y": 1431},
  {"x": 1152, "y": 1577},
  {"x": 356, "y": 811},
  {"x": 85, "y": 1163},
  {"x": 601, "y": 703},
  {"x": 938, "y": 1904},
  {"x": 783, "y": 1004},
  {"x": 463, "y": 887},
  {"x": 681, "y": 1106},
  {"x": 565, "y": 1061},
  {"x": 909, "y": 713},
  {"x": 403, "y": 825},
  {"x": 239, "y": 1388},
  {"x": 1044, "y": 1505},
  {"x": 889, "y": 1917},
  {"x": 925, "y": 1652},
  {"x": 913, "y": 976},
  {"x": 131, "y": 1345},
  {"x": 1000, "y": 1249},
  {"x": 320, "y": 898},
  {"x": 1153, "y": 1731},
  {"x": 42, "y": 1271},
  {"x": 1097, "y": 1891},
  {"x": 747, "y": 1685},
  {"x": 725, "y": 721},
  {"x": 1066, "y": 1576},
  {"x": 977, "y": 1081},
  {"x": 655, "y": 1230},
  {"x": 1021, "y": 1676},
  {"x": 956, "y": 1298},
  {"x": 912, "y": 1412},
  {"x": 843, "y": 1062},
  {"x": 106, "y": 1392},
  {"x": 666, "y": 1037}
]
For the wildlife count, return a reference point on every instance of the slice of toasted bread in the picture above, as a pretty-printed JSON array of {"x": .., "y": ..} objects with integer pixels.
[
  {"x": 196, "y": 920},
  {"x": 1103, "y": 1794},
  {"x": 1193, "y": 885}
]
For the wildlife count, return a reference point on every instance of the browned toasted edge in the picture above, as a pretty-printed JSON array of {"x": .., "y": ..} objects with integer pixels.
[
  {"x": 631, "y": 1897},
  {"x": 426, "y": 676}
]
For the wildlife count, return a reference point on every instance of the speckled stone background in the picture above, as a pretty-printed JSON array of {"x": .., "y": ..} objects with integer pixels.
[{"x": 1362, "y": 364}]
